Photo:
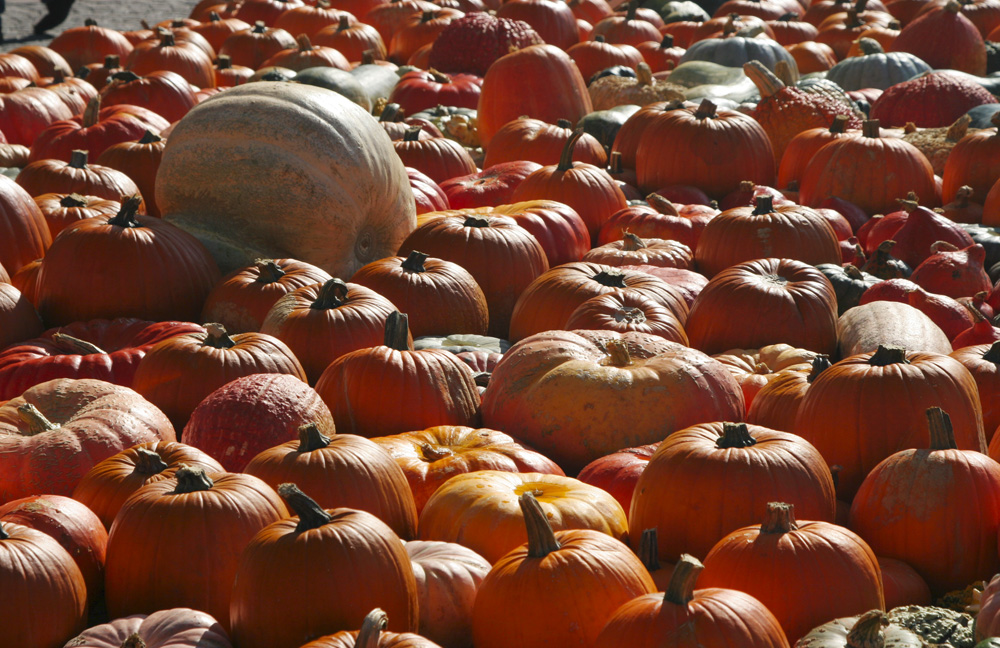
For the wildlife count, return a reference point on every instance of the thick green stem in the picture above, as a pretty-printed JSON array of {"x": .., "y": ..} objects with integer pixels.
[
  {"x": 268, "y": 271},
  {"x": 310, "y": 438},
  {"x": 414, "y": 262},
  {"x": 735, "y": 435},
  {"x": 126, "y": 216},
  {"x": 192, "y": 479},
  {"x": 148, "y": 462},
  {"x": 36, "y": 421},
  {"x": 333, "y": 294},
  {"x": 311, "y": 515},
  {"x": 887, "y": 354},
  {"x": 780, "y": 518}
]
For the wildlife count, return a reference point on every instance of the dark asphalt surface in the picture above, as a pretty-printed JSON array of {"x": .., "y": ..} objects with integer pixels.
[{"x": 21, "y": 15}]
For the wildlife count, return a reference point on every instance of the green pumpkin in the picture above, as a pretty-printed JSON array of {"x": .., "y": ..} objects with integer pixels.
[
  {"x": 734, "y": 51},
  {"x": 992, "y": 642},
  {"x": 604, "y": 124},
  {"x": 376, "y": 80},
  {"x": 677, "y": 10},
  {"x": 342, "y": 82},
  {"x": 849, "y": 284},
  {"x": 875, "y": 68}
]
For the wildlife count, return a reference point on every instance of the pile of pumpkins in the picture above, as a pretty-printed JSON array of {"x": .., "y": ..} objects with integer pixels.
[{"x": 474, "y": 324}]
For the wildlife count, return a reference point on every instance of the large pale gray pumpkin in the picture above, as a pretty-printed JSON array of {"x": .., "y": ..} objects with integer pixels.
[{"x": 283, "y": 170}]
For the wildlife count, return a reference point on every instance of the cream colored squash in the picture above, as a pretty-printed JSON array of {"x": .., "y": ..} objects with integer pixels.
[{"x": 282, "y": 170}]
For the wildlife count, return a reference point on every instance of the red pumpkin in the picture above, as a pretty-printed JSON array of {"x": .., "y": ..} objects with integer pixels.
[
  {"x": 491, "y": 187},
  {"x": 618, "y": 472},
  {"x": 53, "y": 433}
]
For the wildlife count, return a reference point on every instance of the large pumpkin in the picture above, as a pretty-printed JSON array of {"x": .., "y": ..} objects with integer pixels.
[{"x": 274, "y": 170}]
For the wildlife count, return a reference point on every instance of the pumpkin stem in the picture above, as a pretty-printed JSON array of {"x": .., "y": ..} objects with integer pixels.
[
  {"x": 311, "y": 515},
  {"x": 541, "y": 538},
  {"x": 839, "y": 124},
  {"x": 397, "y": 331},
  {"x": 662, "y": 205},
  {"x": 631, "y": 242},
  {"x": 611, "y": 278},
  {"x": 412, "y": 133},
  {"x": 615, "y": 163},
  {"x": 426, "y": 16},
  {"x": 993, "y": 354},
  {"x": 167, "y": 38},
  {"x": 633, "y": 7},
  {"x": 852, "y": 271},
  {"x": 37, "y": 423},
  {"x": 3, "y": 533},
  {"x": 268, "y": 271},
  {"x": 305, "y": 45},
  {"x": 126, "y": 215},
  {"x": 735, "y": 435},
  {"x": 867, "y": 630},
  {"x": 959, "y": 128},
  {"x": 90, "y": 22},
  {"x": 870, "y": 128},
  {"x": 133, "y": 641},
  {"x": 259, "y": 27},
  {"x": 371, "y": 629},
  {"x": 706, "y": 110},
  {"x": 618, "y": 355},
  {"x": 78, "y": 159},
  {"x": 564, "y": 123},
  {"x": 764, "y": 205},
  {"x": 368, "y": 57},
  {"x": 780, "y": 518},
  {"x": 629, "y": 314},
  {"x": 943, "y": 246},
  {"x": 667, "y": 42},
  {"x": 91, "y": 112},
  {"x": 439, "y": 77},
  {"x": 476, "y": 221},
  {"x": 125, "y": 76},
  {"x": 333, "y": 294},
  {"x": 785, "y": 72},
  {"x": 680, "y": 590},
  {"x": 213, "y": 16},
  {"x": 414, "y": 262},
  {"x": 224, "y": 62},
  {"x": 192, "y": 479},
  {"x": 218, "y": 337},
  {"x": 434, "y": 452},
  {"x": 72, "y": 200},
  {"x": 566, "y": 159},
  {"x": 942, "y": 434},
  {"x": 343, "y": 23},
  {"x": 767, "y": 82},
  {"x": 149, "y": 137},
  {"x": 649, "y": 551},
  {"x": 887, "y": 355},
  {"x": 310, "y": 438},
  {"x": 392, "y": 112},
  {"x": 819, "y": 364},
  {"x": 148, "y": 462},
  {"x": 644, "y": 74},
  {"x": 76, "y": 345},
  {"x": 963, "y": 195}
]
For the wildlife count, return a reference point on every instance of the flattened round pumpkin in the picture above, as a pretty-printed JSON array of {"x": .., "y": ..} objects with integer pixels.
[{"x": 274, "y": 170}]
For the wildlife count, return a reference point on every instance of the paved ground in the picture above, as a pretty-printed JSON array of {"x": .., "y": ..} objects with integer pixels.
[{"x": 21, "y": 16}]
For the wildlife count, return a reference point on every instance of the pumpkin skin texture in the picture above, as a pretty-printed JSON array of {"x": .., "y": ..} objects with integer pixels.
[
  {"x": 24, "y": 234},
  {"x": 765, "y": 301},
  {"x": 42, "y": 592},
  {"x": 916, "y": 494},
  {"x": 215, "y": 186},
  {"x": 618, "y": 472},
  {"x": 804, "y": 572},
  {"x": 247, "y": 416},
  {"x": 549, "y": 87},
  {"x": 342, "y": 470},
  {"x": 220, "y": 513},
  {"x": 448, "y": 576},
  {"x": 592, "y": 573},
  {"x": 844, "y": 413},
  {"x": 763, "y": 231},
  {"x": 431, "y": 457},
  {"x": 868, "y": 629},
  {"x": 178, "y": 373},
  {"x": 687, "y": 484},
  {"x": 281, "y": 598},
  {"x": 93, "y": 420},
  {"x": 540, "y": 386},
  {"x": 110, "y": 482},
  {"x": 68, "y": 352},
  {"x": 371, "y": 635},
  {"x": 174, "y": 628},
  {"x": 18, "y": 319},
  {"x": 690, "y": 618},
  {"x": 72, "y": 525}
]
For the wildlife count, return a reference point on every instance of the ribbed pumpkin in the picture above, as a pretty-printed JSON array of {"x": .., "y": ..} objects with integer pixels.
[
  {"x": 765, "y": 301},
  {"x": 221, "y": 512},
  {"x": 632, "y": 250},
  {"x": 166, "y": 53},
  {"x": 870, "y": 171},
  {"x": 661, "y": 219},
  {"x": 139, "y": 160},
  {"x": 804, "y": 146},
  {"x": 317, "y": 573},
  {"x": 692, "y": 618},
  {"x": 526, "y": 138},
  {"x": 242, "y": 299},
  {"x": 501, "y": 255},
  {"x": 372, "y": 635},
  {"x": 439, "y": 158},
  {"x": 24, "y": 233},
  {"x": 321, "y": 322},
  {"x": 764, "y": 231},
  {"x": 540, "y": 386},
  {"x": 592, "y": 56},
  {"x": 164, "y": 92},
  {"x": 718, "y": 150},
  {"x": 75, "y": 174},
  {"x": 983, "y": 362},
  {"x": 251, "y": 47},
  {"x": 353, "y": 39},
  {"x": 915, "y": 493},
  {"x": 945, "y": 39},
  {"x": 973, "y": 162},
  {"x": 804, "y": 572},
  {"x": 777, "y": 403},
  {"x": 431, "y": 457},
  {"x": 110, "y": 482},
  {"x": 178, "y": 373},
  {"x": 43, "y": 594},
  {"x": 61, "y": 210},
  {"x": 342, "y": 470},
  {"x": 628, "y": 311},
  {"x": 567, "y": 584},
  {"x": 869, "y": 406},
  {"x": 540, "y": 81},
  {"x": 687, "y": 486},
  {"x": 547, "y": 303},
  {"x": 390, "y": 389}
]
